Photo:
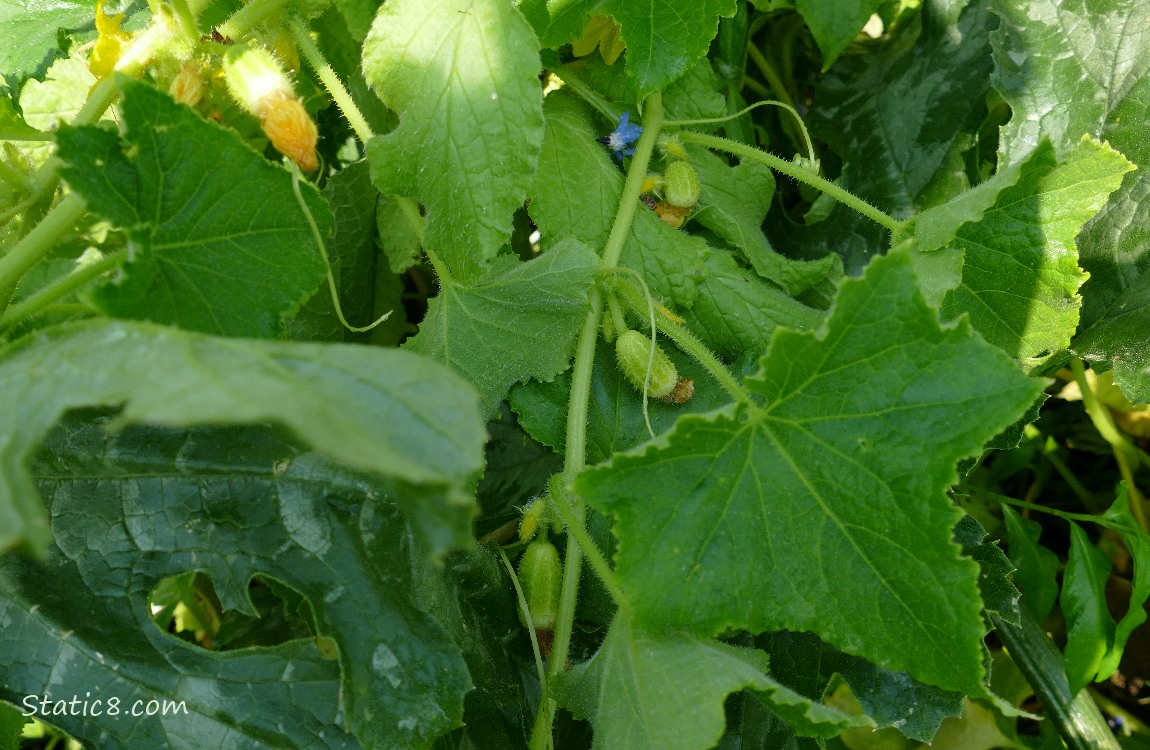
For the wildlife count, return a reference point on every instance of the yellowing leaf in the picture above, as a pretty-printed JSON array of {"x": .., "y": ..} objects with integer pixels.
[
  {"x": 602, "y": 32},
  {"x": 110, "y": 42}
]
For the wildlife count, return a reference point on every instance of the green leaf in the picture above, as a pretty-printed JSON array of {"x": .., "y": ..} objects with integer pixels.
[
  {"x": 28, "y": 32},
  {"x": 1020, "y": 275},
  {"x": 999, "y": 596},
  {"x": 398, "y": 238},
  {"x": 704, "y": 514},
  {"x": 577, "y": 192},
  {"x": 380, "y": 411},
  {"x": 11, "y": 725},
  {"x": 733, "y": 202},
  {"x": 1120, "y": 519},
  {"x": 12, "y": 125},
  {"x": 1089, "y": 627},
  {"x": 835, "y": 23},
  {"x": 1036, "y": 567},
  {"x": 937, "y": 259},
  {"x": 56, "y": 100},
  {"x": 663, "y": 42},
  {"x": 896, "y": 115},
  {"x": 231, "y": 254},
  {"x": 131, "y": 509},
  {"x": 805, "y": 664},
  {"x": 464, "y": 78},
  {"x": 352, "y": 252},
  {"x": 516, "y": 471},
  {"x": 473, "y": 599},
  {"x": 519, "y": 321},
  {"x": 735, "y": 311},
  {"x": 1063, "y": 84},
  {"x": 635, "y": 694}
]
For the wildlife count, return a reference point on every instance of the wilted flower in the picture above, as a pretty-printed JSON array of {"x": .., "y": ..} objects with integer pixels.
[{"x": 621, "y": 138}]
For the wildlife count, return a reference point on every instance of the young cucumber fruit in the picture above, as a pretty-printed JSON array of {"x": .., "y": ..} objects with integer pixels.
[
  {"x": 541, "y": 577},
  {"x": 633, "y": 351},
  {"x": 681, "y": 185}
]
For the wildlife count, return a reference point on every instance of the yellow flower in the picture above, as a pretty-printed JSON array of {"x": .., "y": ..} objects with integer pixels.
[{"x": 110, "y": 42}]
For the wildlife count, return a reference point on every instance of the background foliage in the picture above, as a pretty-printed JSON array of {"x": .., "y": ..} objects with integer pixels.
[{"x": 906, "y": 305}]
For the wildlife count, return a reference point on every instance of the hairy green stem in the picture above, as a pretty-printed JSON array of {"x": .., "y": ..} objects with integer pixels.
[
  {"x": 617, "y": 318},
  {"x": 1076, "y": 716},
  {"x": 594, "y": 557},
  {"x": 41, "y": 300},
  {"x": 250, "y": 16},
  {"x": 575, "y": 449},
  {"x": 1063, "y": 514},
  {"x": 37, "y": 244},
  {"x": 793, "y": 170},
  {"x": 328, "y": 77},
  {"x": 1125, "y": 453}
]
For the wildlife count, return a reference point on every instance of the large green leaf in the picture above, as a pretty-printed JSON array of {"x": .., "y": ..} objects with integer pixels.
[
  {"x": 28, "y": 31},
  {"x": 637, "y": 692},
  {"x": 219, "y": 242},
  {"x": 381, "y": 411},
  {"x": 767, "y": 517},
  {"x": 1020, "y": 275},
  {"x": 899, "y": 117},
  {"x": 896, "y": 115},
  {"x": 577, "y": 192},
  {"x": 663, "y": 41},
  {"x": 464, "y": 77},
  {"x": 517, "y": 322},
  {"x": 133, "y": 508},
  {"x": 1069, "y": 69}
]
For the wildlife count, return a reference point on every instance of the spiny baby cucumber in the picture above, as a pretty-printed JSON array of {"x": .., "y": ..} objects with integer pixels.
[
  {"x": 541, "y": 577},
  {"x": 633, "y": 352}
]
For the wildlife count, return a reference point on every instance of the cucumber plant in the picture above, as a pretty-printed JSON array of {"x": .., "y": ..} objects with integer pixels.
[{"x": 548, "y": 375}]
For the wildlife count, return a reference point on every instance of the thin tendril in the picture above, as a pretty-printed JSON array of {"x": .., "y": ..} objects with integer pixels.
[
  {"x": 740, "y": 113},
  {"x": 295, "y": 176}
]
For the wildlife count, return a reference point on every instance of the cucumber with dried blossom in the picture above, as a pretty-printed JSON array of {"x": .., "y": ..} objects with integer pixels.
[{"x": 259, "y": 83}]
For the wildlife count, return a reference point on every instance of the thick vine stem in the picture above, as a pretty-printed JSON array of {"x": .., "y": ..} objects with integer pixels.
[
  {"x": 575, "y": 450},
  {"x": 250, "y": 16},
  {"x": 801, "y": 174},
  {"x": 37, "y": 244},
  {"x": 46, "y": 297},
  {"x": 1077, "y": 717},
  {"x": 330, "y": 80}
]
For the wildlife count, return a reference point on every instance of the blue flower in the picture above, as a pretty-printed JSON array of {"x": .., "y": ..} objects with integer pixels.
[{"x": 620, "y": 139}]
